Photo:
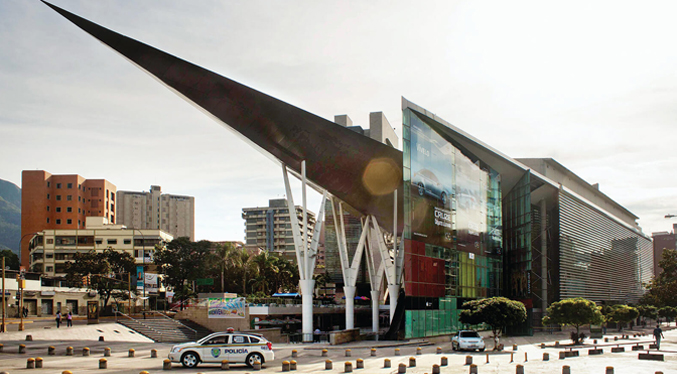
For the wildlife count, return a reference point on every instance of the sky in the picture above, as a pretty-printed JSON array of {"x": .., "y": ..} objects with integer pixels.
[{"x": 591, "y": 84}]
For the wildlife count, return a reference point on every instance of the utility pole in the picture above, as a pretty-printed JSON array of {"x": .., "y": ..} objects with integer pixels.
[{"x": 21, "y": 280}]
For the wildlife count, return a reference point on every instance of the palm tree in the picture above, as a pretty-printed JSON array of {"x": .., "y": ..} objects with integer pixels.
[
  {"x": 243, "y": 260},
  {"x": 223, "y": 257},
  {"x": 267, "y": 271}
]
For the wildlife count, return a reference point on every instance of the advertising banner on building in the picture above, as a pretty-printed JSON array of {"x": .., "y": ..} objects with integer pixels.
[
  {"x": 139, "y": 277},
  {"x": 150, "y": 282},
  {"x": 226, "y": 308}
]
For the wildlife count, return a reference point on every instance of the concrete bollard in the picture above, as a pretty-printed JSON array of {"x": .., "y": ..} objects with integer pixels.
[
  {"x": 257, "y": 365},
  {"x": 609, "y": 370},
  {"x": 615, "y": 338},
  {"x": 473, "y": 369},
  {"x": 525, "y": 357},
  {"x": 419, "y": 351},
  {"x": 348, "y": 367},
  {"x": 439, "y": 350},
  {"x": 386, "y": 363},
  {"x": 359, "y": 363},
  {"x": 328, "y": 365},
  {"x": 131, "y": 352},
  {"x": 103, "y": 363},
  {"x": 167, "y": 365},
  {"x": 101, "y": 339},
  {"x": 546, "y": 356},
  {"x": 145, "y": 372},
  {"x": 511, "y": 357},
  {"x": 292, "y": 365},
  {"x": 606, "y": 340},
  {"x": 285, "y": 365},
  {"x": 514, "y": 347},
  {"x": 412, "y": 362},
  {"x": 106, "y": 352},
  {"x": 542, "y": 345},
  {"x": 594, "y": 341},
  {"x": 153, "y": 353},
  {"x": 566, "y": 369},
  {"x": 22, "y": 348},
  {"x": 38, "y": 362},
  {"x": 519, "y": 369},
  {"x": 487, "y": 358},
  {"x": 30, "y": 363},
  {"x": 294, "y": 353},
  {"x": 562, "y": 355},
  {"x": 397, "y": 351},
  {"x": 324, "y": 353},
  {"x": 51, "y": 350},
  {"x": 468, "y": 360},
  {"x": 85, "y": 352},
  {"x": 66, "y": 372},
  {"x": 348, "y": 353},
  {"x": 373, "y": 352},
  {"x": 436, "y": 369},
  {"x": 444, "y": 361},
  {"x": 69, "y": 351},
  {"x": 225, "y": 365},
  {"x": 2, "y": 346},
  {"x": 557, "y": 344},
  {"x": 29, "y": 338},
  {"x": 401, "y": 369}
]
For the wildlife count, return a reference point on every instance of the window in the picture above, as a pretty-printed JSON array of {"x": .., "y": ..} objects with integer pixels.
[
  {"x": 99, "y": 241},
  {"x": 69, "y": 197},
  {"x": 79, "y": 198},
  {"x": 69, "y": 209},
  {"x": 50, "y": 241},
  {"x": 112, "y": 241},
  {"x": 48, "y": 208},
  {"x": 49, "y": 268},
  {"x": 58, "y": 185},
  {"x": 48, "y": 184},
  {"x": 69, "y": 221},
  {"x": 237, "y": 339},
  {"x": 58, "y": 197},
  {"x": 58, "y": 209},
  {"x": 217, "y": 340},
  {"x": 253, "y": 339},
  {"x": 69, "y": 185},
  {"x": 58, "y": 221},
  {"x": 137, "y": 253},
  {"x": 49, "y": 255},
  {"x": 79, "y": 210},
  {"x": 128, "y": 241},
  {"x": 47, "y": 196}
]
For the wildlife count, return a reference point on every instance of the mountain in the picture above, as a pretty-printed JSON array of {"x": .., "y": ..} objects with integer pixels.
[{"x": 10, "y": 216}]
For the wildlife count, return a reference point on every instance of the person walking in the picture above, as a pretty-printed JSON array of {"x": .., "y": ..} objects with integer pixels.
[
  {"x": 658, "y": 334},
  {"x": 69, "y": 319},
  {"x": 58, "y": 319}
]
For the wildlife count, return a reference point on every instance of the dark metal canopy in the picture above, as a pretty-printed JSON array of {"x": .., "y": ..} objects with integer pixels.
[{"x": 356, "y": 169}]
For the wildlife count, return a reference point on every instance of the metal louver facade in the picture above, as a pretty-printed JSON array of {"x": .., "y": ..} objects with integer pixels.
[{"x": 600, "y": 259}]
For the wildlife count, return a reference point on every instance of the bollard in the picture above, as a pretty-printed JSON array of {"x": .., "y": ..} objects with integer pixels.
[
  {"x": 412, "y": 362},
  {"x": 294, "y": 353},
  {"x": 606, "y": 340},
  {"x": 144, "y": 372},
  {"x": 562, "y": 355},
  {"x": 69, "y": 351},
  {"x": 386, "y": 363},
  {"x": 473, "y": 369},
  {"x": 525, "y": 357},
  {"x": 594, "y": 342},
  {"x": 487, "y": 358},
  {"x": 106, "y": 352},
  {"x": 30, "y": 363},
  {"x": 66, "y": 372},
  {"x": 131, "y": 352},
  {"x": 419, "y": 351},
  {"x": 225, "y": 365},
  {"x": 51, "y": 350},
  {"x": 444, "y": 361},
  {"x": 103, "y": 363},
  {"x": 609, "y": 370},
  {"x": 29, "y": 338},
  {"x": 511, "y": 357},
  {"x": 167, "y": 365},
  {"x": 542, "y": 345},
  {"x": 348, "y": 353},
  {"x": 22, "y": 348},
  {"x": 153, "y": 353},
  {"x": 328, "y": 365},
  {"x": 38, "y": 362},
  {"x": 615, "y": 339},
  {"x": 324, "y": 353},
  {"x": 439, "y": 350},
  {"x": 514, "y": 347},
  {"x": 546, "y": 357},
  {"x": 519, "y": 369},
  {"x": 436, "y": 369},
  {"x": 401, "y": 369},
  {"x": 285, "y": 365},
  {"x": 1, "y": 347},
  {"x": 373, "y": 352},
  {"x": 397, "y": 351},
  {"x": 557, "y": 344},
  {"x": 348, "y": 367},
  {"x": 566, "y": 369},
  {"x": 101, "y": 339},
  {"x": 85, "y": 352},
  {"x": 292, "y": 365},
  {"x": 257, "y": 365},
  {"x": 468, "y": 360},
  {"x": 359, "y": 364}
]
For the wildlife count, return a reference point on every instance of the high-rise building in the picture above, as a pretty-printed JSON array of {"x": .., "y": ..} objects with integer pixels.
[
  {"x": 661, "y": 241},
  {"x": 269, "y": 228},
  {"x": 61, "y": 202},
  {"x": 174, "y": 214}
]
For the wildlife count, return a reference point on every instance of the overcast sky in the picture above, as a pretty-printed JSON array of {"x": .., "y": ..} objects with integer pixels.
[{"x": 591, "y": 84}]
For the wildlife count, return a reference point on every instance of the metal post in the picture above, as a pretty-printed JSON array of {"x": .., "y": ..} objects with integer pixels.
[
  {"x": 4, "y": 300},
  {"x": 129, "y": 288},
  {"x": 21, "y": 302}
]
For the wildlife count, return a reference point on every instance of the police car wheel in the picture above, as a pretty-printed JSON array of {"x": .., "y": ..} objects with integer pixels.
[
  {"x": 189, "y": 360},
  {"x": 253, "y": 357}
]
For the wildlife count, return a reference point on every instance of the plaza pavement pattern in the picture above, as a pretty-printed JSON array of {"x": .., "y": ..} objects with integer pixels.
[{"x": 120, "y": 339}]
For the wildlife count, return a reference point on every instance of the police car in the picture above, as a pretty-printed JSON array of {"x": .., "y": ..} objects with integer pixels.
[{"x": 236, "y": 347}]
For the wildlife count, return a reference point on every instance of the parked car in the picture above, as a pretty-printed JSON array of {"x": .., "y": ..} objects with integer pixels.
[
  {"x": 236, "y": 347},
  {"x": 467, "y": 339}
]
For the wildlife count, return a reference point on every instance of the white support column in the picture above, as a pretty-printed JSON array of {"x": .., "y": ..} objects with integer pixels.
[
  {"x": 394, "y": 291},
  {"x": 307, "y": 287},
  {"x": 306, "y": 264},
  {"x": 350, "y": 306},
  {"x": 375, "y": 294}
]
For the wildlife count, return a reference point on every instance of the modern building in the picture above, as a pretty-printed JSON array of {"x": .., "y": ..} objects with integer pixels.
[
  {"x": 173, "y": 214},
  {"x": 61, "y": 202},
  {"x": 661, "y": 241},
  {"x": 269, "y": 228},
  {"x": 50, "y": 249}
]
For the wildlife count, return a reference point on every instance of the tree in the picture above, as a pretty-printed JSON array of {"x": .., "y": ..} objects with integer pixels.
[
  {"x": 668, "y": 313},
  {"x": 223, "y": 258},
  {"x": 622, "y": 314},
  {"x": 661, "y": 289},
  {"x": 183, "y": 260},
  {"x": 11, "y": 259},
  {"x": 574, "y": 312},
  {"x": 647, "y": 311},
  {"x": 497, "y": 312},
  {"x": 98, "y": 271},
  {"x": 242, "y": 259}
]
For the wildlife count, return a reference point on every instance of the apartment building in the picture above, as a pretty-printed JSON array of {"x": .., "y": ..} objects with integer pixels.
[
  {"x": 173, "y": 214},
  {"x": 56, "y": 202}
]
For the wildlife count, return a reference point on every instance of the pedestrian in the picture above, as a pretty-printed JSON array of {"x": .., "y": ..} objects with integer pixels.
[
  {"x": 317, "y": 334},
  {"x": 69, "y": 319},
  {"x": 58, "y": 319},
  {"x": 658, "y": 334},
  {"x": 25, "y": 312}
]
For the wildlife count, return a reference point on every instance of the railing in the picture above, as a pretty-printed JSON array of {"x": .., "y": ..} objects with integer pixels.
[
  {"x": 139, "y": 322},
  {"x": 176, "y": 322}
]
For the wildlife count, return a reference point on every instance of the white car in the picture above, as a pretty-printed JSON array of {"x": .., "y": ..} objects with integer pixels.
[
  {"x": 467, "y": 339},
  {"x": 236, "y": 347}
]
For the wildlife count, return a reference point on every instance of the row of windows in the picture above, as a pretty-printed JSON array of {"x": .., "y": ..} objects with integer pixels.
[
  {"x": 70, "y": 241},
  {"x": 68, "y": 185}
]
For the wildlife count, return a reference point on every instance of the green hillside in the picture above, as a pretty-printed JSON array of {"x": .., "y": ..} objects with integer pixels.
[{"x": 10, "y": 216}]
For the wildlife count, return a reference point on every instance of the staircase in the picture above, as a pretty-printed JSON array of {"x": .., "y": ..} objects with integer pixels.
[{"x": 160, "y": 328}]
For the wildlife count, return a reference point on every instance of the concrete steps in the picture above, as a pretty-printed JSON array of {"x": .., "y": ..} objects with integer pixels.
[{"x": 160, "y": 329}]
